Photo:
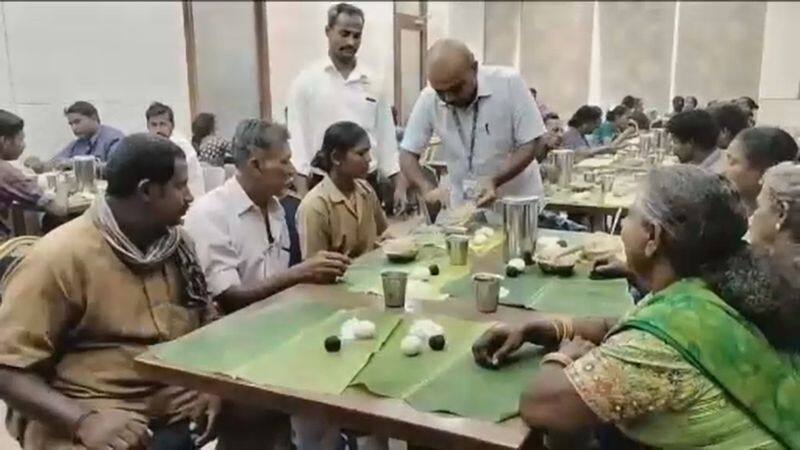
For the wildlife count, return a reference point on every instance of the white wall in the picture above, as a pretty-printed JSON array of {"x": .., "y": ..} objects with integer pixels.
[
  {"x": 466, "y": 23},
  {"x": 297, "y": 38},
  {"x": 779, "y": 90},
  {"x": 118, "y": 55},
  {"x": 458, "y": 20},
  {"x": 227, "y": 62}
]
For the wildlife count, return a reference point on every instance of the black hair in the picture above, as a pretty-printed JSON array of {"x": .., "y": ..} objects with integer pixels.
[
  {"x": 616, "y": 112},
  {"x": 765, "y": 147},
  {"x": 202, "y": 126},
  {"x": 585, "y": 114},
  {"x": 641, "y": 119},
  {"x": 551, "y": 116},
  {"x": 729, "y": 117},
  {"x": 157, "y": 109},
  {"x": 138, "y": 157},
  {"x": 83, "y": 108},
  {"x": 629, "y": 101},
  {"x": 750, "y": 102},
  {"x": 343, "y": 8},
  {"x": 339, "y": 138},
  {"x": 10, "y": 124},
  {"x": 678, "y": 97},
  {"x": 256, "y": 134},
  {"x": 533, "y": 91},
  {"x": 765, "y": 289},
  {"x": 695, "y": 126}
]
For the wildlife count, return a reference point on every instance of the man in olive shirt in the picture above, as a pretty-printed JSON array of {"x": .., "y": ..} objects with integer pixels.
[{"x": 91, "y": 296}]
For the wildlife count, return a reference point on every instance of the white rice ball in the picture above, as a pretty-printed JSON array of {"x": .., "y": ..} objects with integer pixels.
[
  {"x": 486, "y": 231},
  {"x": 419, "y": 273},
  {"x": 347, "y": 331},
  {"x": 480, "y": 239},
  {"x": 425, "y": 328},
  {"x": 411, "y": 345},
  {"x": 517, "y": 263},
  {"x": 364, "y": 329}
]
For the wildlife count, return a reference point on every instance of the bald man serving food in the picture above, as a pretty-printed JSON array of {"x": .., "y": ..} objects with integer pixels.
[{"x": 489, "y": 126}]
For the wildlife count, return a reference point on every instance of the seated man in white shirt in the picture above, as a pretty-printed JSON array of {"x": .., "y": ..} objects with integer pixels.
[
  {"x": 161, "y": 121},
  {"x": 489, "y": 125},
  {"x": 243, "y": 247},
  {"x": 340, "y": 88}
]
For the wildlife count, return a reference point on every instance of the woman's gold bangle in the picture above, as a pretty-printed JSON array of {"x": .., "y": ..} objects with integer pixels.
[{"x": 558, "y": 358}]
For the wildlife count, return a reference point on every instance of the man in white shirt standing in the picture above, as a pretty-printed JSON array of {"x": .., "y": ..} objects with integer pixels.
[
  {"x": 161, "y": 121},
  {"x": 243, "y": 248},
  {"x": 336, "y": 89},
  {"x": 489, "y": 125}
]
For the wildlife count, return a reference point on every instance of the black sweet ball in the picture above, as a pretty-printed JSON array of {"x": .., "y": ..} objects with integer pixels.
[
  {"x": 512, "y": 271},
  {"x": 527, "y": 256},
  {"x": 333, "y": 344},
  {"x": 436, "y": 342},
  {"x": 434, "y": 269},
  {"x": 562, "y": 243}
]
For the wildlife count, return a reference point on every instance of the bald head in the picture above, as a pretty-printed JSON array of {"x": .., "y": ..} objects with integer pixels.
[{"x": 452, "y": 72}]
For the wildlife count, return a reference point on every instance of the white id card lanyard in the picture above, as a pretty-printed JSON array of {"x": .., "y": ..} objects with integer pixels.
[{"x": 470, "y": 184}]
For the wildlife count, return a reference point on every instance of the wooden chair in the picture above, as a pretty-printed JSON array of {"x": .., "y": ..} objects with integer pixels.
[
  {"x": 11, "y": 253},
  {"x": 24, "y": 221}
]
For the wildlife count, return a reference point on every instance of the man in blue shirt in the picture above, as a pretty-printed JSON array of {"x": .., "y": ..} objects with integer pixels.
[{"x": 93, "y": 138}]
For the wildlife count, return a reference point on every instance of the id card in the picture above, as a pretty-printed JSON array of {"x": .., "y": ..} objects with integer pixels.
[{"x": 471, "y": 189}]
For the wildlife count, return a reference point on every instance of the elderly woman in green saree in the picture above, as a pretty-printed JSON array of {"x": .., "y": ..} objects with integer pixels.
[{"x": 686, "y": 368}]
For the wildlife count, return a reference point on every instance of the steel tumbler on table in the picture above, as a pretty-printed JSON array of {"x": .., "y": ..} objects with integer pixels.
[
  {"x": 394, "y": 288},
  {"x": 563, "y": 160},
  {"x": 85, "y": 170},
  {"x": 520, "y": 225}
]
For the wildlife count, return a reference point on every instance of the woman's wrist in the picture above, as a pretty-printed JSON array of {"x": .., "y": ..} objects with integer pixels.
[
  {"x": 558, "y": 358},
  {"x": 549, "y": 332}
]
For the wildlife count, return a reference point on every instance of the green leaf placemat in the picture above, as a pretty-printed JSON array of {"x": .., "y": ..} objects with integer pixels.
[
  {"x": 303, "y": 363},
  {"x": 576, "y": 295},
  {"x": 466, "y": 389},
  {"x": 393, "y": 374},
  {"x": 237, "y": 339},
  {"x": 364, "y": 275},
  {"x": 583, "y": 297},
  {"x": 449, "y": 381}
]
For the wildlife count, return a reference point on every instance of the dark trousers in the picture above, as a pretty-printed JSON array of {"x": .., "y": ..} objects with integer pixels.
[
  {"x": 245, "y": 427},
  {"x": 175, "y": 436}
]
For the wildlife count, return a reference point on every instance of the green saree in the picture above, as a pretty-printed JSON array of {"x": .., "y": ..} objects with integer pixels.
[{"x": 723, "y": 346}]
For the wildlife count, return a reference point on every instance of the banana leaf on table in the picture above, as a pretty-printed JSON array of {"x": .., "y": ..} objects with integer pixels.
[
  {"x": 448, "y": 381},
  {"x": 302, "y": 362},
  {"x": 467, "y": 389},
  {"x": 228, "y": 343},
  {"x": 576, "y": 295},
  {"x": 364, "y": 275}
]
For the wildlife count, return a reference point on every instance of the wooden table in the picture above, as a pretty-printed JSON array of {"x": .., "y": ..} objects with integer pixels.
[{"x": 357, "y": 410}]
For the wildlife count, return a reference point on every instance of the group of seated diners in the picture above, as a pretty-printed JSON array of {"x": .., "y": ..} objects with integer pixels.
[{"x": 707, "y": 358}]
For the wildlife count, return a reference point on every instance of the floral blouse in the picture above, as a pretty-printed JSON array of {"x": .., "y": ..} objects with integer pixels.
[{"x": 655, "y": 397}]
